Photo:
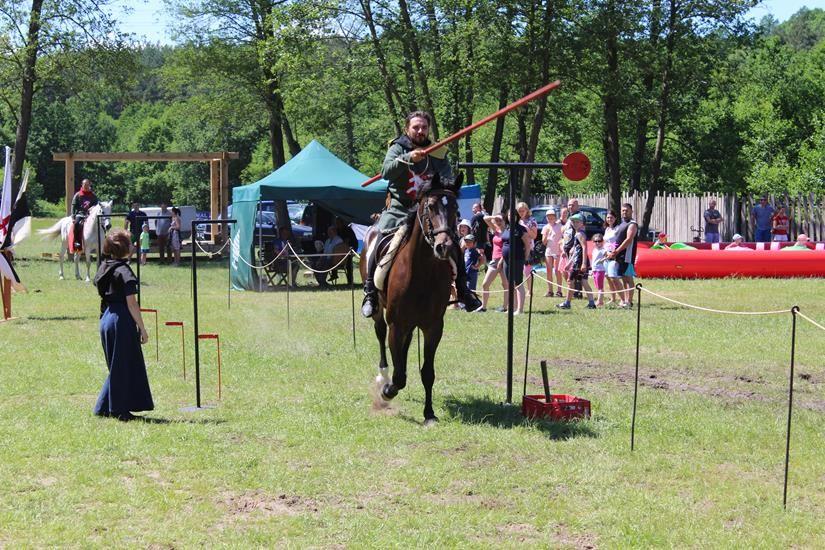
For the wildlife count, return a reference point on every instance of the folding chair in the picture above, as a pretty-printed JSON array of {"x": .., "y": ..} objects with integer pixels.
[{"x": 275, "y": 272}]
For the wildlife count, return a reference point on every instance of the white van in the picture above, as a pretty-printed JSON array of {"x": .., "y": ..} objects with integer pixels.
[{"x": 187, "y": 214}]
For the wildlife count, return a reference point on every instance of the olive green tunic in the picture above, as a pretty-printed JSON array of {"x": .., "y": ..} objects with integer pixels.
[{"x": 404, "y": 180}]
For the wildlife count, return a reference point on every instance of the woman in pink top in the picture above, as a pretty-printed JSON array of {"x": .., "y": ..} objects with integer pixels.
[
  {"x": 496, "y": 265},
  {"x": 551, "y": 239}
]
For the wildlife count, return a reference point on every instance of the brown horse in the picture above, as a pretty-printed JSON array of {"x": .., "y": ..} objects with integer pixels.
[{"x": 417, "y": 290}]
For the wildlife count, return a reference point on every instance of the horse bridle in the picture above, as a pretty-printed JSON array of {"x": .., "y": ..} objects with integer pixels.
[{"x": 427, "y": 229}]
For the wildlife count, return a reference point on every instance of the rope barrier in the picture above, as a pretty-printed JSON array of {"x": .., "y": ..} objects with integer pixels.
[
  {"x": 594, "y": 291},
  {"x": 236, "y": 251},
  {"x": 710, "y": 310},
  {"x": 814, "y": 323},
  {"x": 313, "y": 270},
  {"x": 212, "y": 254}
]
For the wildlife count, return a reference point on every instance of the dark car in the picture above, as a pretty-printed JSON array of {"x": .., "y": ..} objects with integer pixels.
[{"x": 266, "y": 221}]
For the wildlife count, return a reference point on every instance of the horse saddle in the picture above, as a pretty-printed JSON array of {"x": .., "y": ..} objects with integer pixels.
[{"x": 381, "y": 248}]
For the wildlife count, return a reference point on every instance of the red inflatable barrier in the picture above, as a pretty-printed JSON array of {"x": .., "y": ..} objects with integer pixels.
[{"x": 712, "y": 264}]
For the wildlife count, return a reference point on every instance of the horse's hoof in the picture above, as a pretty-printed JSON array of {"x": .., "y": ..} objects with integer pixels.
[
  {"x": 60, "y": 277},
  {"x": 379, "y": 400},
  {"x": 430, "y": 422}
]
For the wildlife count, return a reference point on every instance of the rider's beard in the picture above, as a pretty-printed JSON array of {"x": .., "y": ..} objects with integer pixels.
[{"x": 419, "y": 141}]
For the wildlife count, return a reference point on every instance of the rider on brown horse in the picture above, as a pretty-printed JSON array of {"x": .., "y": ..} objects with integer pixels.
[
  {"x": 82, "y": 201},
  {"x": 406, "y": 168}
]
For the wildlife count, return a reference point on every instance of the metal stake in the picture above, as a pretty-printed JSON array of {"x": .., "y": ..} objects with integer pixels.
[
  {"x": 636, "y": 377},
  {"x": 794, "y": 311}
]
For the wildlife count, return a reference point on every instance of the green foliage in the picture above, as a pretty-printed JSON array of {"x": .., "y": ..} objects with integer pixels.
[{"x": 746, "y": 110}]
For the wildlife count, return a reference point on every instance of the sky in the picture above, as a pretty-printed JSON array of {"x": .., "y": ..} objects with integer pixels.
[{"x": 149, "y": 21}]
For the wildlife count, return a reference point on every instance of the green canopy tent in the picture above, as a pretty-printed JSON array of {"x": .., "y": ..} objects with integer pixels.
[{"x": 314, "y": 174}]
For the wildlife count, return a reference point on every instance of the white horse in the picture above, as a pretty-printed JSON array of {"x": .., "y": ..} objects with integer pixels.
[{"x": 90, "y": 238}]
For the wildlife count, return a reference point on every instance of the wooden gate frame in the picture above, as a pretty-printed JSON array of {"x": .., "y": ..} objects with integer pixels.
[{"x": 218, "y": 173}]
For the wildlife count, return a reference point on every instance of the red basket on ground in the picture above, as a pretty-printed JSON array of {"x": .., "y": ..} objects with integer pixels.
[{"x": 560, "y": 407}]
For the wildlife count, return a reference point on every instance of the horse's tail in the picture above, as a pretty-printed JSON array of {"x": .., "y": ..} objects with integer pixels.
[{"x": 54, "y": 231}]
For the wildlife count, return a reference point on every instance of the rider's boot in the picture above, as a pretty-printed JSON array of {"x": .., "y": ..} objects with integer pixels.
[
  {"x": 78, "y": 232},
  {"x": 464, "y": 294},
  {"x": 370, "y": 303}
]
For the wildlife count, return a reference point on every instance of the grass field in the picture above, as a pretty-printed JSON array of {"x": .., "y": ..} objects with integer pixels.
[{"x": 294, "y": 456}]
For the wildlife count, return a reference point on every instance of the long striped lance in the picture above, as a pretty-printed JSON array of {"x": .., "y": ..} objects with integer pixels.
[{"x": 498, "y": 114}]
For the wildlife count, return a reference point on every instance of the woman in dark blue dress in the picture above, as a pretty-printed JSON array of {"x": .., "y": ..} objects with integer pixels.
[{"x": 126, "y": 389}]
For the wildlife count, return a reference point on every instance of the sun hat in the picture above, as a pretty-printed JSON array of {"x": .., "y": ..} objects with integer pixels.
[
  {"x": 470, "y": 237},
  {"x": 737, "y": 236},
  {"x": 467, "y": 223},
  {"x": 577, "y": 218}
]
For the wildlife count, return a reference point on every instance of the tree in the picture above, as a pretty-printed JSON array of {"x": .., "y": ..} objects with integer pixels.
[{"x": 51, "y": 27}]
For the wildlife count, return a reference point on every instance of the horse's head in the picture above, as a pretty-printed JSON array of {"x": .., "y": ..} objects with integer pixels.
[
  {"x": 437, "y": 211},
  {"x": 102, "y": 208}
]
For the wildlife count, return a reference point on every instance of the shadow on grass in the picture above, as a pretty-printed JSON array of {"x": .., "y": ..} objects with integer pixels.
[
  {"x": 482, "y": 410},
  {"x": 165, "y": 421},
  {"x": 58, "y": 317}
]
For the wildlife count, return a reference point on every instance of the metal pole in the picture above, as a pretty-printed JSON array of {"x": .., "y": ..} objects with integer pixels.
[
  {"x": 511, "y": 274},
  {"x": 195, "y": 315},
  {"x": 288, "y": 285},
  {"x": 636, "y": 378},
  {"x": 794, "y": 311},
  {"x": 138, "y": 273},
  {"x": 418, "y": 335},
  {"x": 99, "y": 249},
  {"x": 529, "y": 326},
  {"x": 260, "y": 217}
]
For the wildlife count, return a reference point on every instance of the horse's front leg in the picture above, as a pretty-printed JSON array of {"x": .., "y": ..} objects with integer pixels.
[
  {"x": 76, "y": 265},
  {"x": 399, "y": 341},
  {"x": 61, "y": 257},
  {"x": 432, "y": 337},
  {"x": 380, "y": 326},
  {"x": 88, "y": 264}
]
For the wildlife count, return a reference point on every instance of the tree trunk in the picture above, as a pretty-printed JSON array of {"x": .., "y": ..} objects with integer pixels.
[
  {"x": 412, "y": 44},
  {"x": 435, "y": 38},
  {"x": 495, "y": 152},
  {"x": 389, "y": 88},
  {"x": 664, "y": 105},
  {"x": 611, "y": 112},
  {"x": 538, "y": 118},
  {"x": 27, "y": 94},
  {"x": 640, "y": 149},
  {"x": 292, "y": 143}
]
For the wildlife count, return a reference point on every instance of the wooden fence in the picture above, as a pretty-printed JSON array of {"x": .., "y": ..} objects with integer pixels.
[{"x": 681, "y": 215}]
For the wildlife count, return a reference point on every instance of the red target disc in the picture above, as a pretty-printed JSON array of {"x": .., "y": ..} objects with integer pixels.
[{"x": 576, "y": 166}]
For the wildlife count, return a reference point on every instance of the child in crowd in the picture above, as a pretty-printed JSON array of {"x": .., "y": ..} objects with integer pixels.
[
  {"x": 598, "y": 258},
  {"x": 551, "y": 238},
  {"x": 144, "y": 243},
  {"x": 472, "y": 261},
  {"x": 575, "y": 250}
]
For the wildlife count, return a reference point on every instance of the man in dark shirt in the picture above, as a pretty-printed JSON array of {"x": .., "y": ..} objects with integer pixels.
[
  {"x": 712, "y": 220},
  {"x": 134, "y": 223}
]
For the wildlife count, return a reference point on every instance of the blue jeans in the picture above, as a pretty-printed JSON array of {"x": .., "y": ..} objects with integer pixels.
[
  {"x": 712, "y": 237},
  {"x": 763, "y": 235}
]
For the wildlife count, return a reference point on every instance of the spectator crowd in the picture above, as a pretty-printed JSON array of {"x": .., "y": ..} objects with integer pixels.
[{"x": 561, "y": 249}]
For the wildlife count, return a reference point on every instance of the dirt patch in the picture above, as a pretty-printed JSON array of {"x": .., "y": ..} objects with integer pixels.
[
  {"x": 572, "y": 540},
  {"x": 727, "y": 387},
  {"x": 257, "y": 503}
]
